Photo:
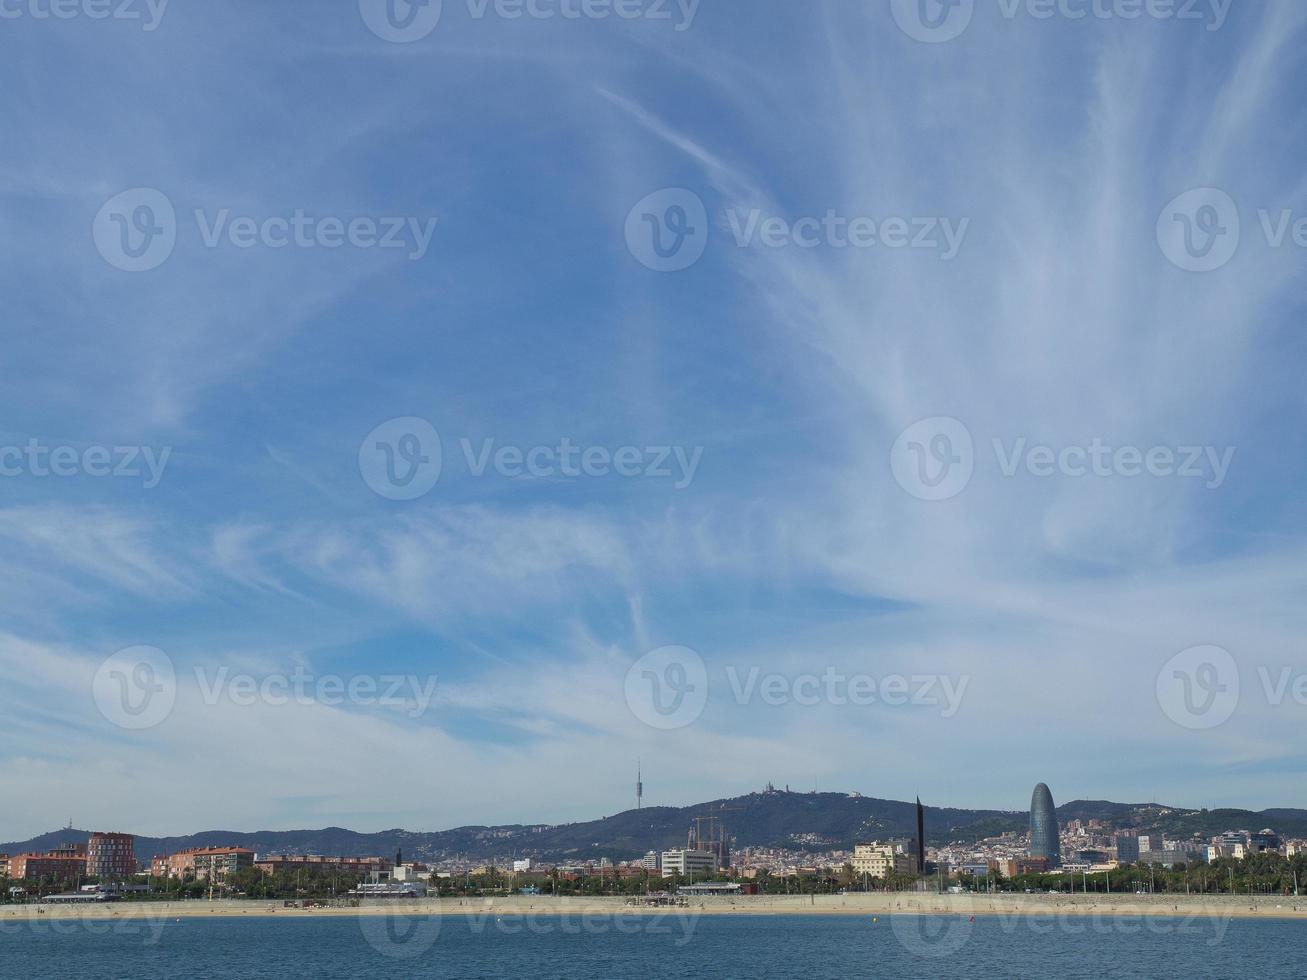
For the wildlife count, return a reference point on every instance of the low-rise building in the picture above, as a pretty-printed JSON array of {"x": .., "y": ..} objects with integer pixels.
[
  {"x": 1090, "y": 856},
  {"x": 55, "y": 867},
  {"x": 1166, "y": 858},
  {"x": 710, "y": 888},
  {"x": 216, "y": 863},
  {"x": 689, "y": 862},
  {"x": 881, "y": 861},
  {"x": 411, "y": 872},
  {"x": 389, "y": 889},
  {"x": 1013, "y": 867},
  {"x": 202, "y": 863},
  {"x": 366, "y": 866}
]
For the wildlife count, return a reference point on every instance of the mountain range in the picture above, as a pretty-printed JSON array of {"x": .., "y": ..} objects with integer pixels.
[{"x": 779, "y": 819}]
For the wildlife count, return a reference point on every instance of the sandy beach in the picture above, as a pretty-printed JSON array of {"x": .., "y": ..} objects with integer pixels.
[{"x": 904, "y": 903}]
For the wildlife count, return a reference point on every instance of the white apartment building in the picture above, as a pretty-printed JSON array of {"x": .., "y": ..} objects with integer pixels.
[
  {"x": 410, "y": 872},
  {"x": 685, "y": 862}
]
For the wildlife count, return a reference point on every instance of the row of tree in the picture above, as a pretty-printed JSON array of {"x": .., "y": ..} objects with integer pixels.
[{"x": 1257, "y": 874}]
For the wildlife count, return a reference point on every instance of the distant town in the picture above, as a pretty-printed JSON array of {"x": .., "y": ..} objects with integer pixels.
[{"x": 1080, "y": 856}]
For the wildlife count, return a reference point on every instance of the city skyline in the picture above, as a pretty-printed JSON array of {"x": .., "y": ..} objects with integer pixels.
[
  {"x": 1041, "y": 797},
  {"x": 1094, "y": 844}
]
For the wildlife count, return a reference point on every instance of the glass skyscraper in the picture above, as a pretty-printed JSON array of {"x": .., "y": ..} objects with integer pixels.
[{"x": 1044, "y": 841}]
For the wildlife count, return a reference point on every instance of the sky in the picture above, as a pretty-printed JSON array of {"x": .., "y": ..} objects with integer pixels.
[{"x": 420, "y": 415}]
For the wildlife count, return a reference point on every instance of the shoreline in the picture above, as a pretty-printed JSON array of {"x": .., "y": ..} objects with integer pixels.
[{"x": 901, "y": 903}]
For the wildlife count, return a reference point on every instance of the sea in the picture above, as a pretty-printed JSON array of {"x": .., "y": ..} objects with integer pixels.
[{"x": 673, "y": 944}]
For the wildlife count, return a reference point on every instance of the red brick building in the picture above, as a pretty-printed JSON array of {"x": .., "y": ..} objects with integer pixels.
[
  {"x": 111, "y": 856},
  {"x": 203, "y": 863},
  {"x": 53, "y": 867}
]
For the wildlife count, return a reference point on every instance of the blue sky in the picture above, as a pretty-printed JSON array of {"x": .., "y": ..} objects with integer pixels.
[{"x": 1049, "y": 145}]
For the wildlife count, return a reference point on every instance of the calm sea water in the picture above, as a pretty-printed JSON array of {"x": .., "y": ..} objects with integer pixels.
[{"x": 758, "y": 948}]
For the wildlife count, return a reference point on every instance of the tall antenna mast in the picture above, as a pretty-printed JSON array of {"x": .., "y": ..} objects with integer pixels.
[{"x": 639, "y": 785}]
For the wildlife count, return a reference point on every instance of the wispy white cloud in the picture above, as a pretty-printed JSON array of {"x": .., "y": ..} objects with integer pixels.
[{"x": 1059, "y": 321}]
